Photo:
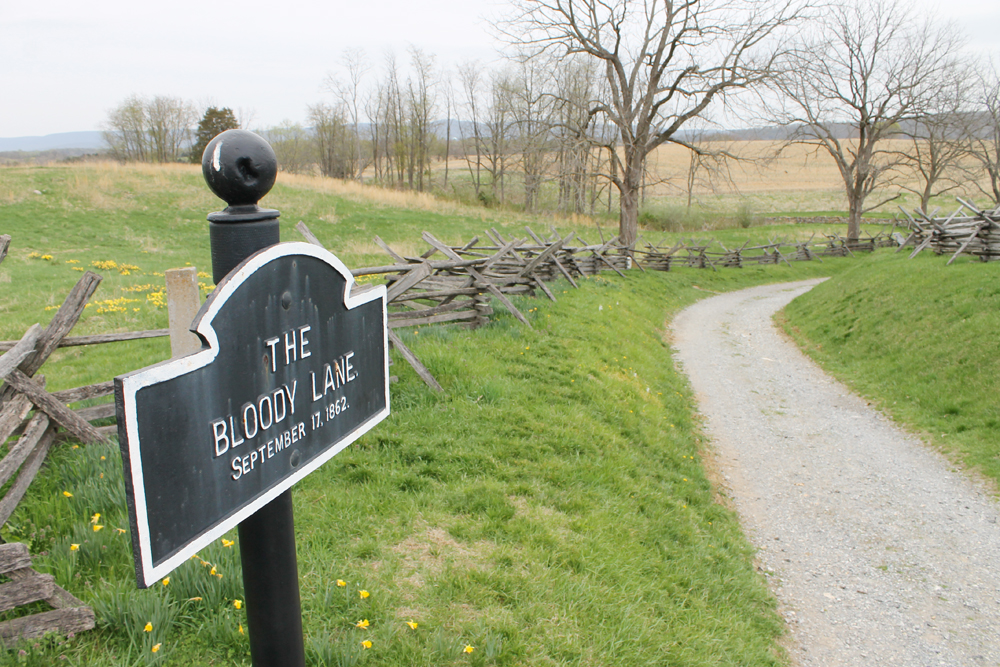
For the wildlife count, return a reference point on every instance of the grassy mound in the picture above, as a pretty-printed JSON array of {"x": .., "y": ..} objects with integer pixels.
[{"x": 919, "y": 339}]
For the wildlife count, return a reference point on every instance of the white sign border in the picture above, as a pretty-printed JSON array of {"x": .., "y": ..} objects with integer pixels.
[{"x": 134, "y": 382}]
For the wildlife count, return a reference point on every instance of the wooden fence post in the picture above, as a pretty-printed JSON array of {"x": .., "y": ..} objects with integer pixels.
[{"x": 183, "y": 302}]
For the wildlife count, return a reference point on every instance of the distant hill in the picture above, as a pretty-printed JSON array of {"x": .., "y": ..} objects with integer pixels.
[{"x": 92, "y": 140}]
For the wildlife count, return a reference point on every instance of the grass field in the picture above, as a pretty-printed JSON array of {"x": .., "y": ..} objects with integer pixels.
[
  {"x": 798, "y": 181},
  {"x": 551, "y": 507}
]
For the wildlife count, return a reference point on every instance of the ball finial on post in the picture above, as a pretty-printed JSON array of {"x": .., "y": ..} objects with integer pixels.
[{"x": 240, "y": 167}]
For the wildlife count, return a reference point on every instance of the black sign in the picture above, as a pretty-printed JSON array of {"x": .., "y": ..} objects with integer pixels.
[{"x": 292, "y": 370}]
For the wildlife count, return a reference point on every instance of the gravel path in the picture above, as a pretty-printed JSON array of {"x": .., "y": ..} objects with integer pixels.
[{"x": 879, "y": 552}]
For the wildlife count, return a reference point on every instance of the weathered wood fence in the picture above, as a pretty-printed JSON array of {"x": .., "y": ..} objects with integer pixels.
[{"x": 969, "y": 230}]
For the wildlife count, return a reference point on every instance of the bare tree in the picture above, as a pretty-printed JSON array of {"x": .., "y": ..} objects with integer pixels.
[
  {"x": 293, "y": 146},
  {"x": 334, "y": 145},
  {"x": 710, "y": 159},
  {"x": 125, "y": 131},
  {"x": 870, "y": 67},
  {"x": 169, "y": 127},
  {"x": 421, "y": 107},
  {"x": 471, "y": 77},
  {"x": 936, "y": 148},
  {"x": 156, "y": 130},
  {"x": 348, "y": 93},
  {"x": 664, "y": 62},
  {"x": 531, "y": 107},
  {"x": 981, "y": 129}
]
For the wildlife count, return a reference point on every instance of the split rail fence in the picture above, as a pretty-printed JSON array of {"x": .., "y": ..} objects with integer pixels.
[{"x": 969, "y": 231}]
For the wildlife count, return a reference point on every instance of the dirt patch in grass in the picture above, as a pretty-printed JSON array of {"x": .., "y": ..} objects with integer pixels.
[{"x": 429, "y": 551}]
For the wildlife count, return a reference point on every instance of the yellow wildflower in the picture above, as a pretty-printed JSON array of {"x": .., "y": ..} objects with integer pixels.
[
  {"x": 166, "y": 581},
  {"x": 212, "y": 572},
  {"x": 241, "y": 628},
  {"x": 367, "y": 643},
  {"x": 238, "y": 604},
  {"x": 364, "y": 594},
  {"x": 362, "y": 624},
  {"x": 46, "y": 256},
  {"x": 227, "y": 543},
  {"x": 74, "y": 547},
  {"x": 95, "y": 518},
  {"x": 97, "y": 527},
  {"x": 67, "y": 494},
  {"x": 156, "y": 647},
  {"x": 148, "y": 628},
  {"x": 102, "y": 458},
  {"x": 468, "y": 649},
  {"x": 412, "y": 624},
  {"x": 195, "y": 599},
  {"x": 341, "y": 583}
]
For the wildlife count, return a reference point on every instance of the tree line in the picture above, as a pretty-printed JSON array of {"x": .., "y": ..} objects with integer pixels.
[{"x": 591, "y": 88}]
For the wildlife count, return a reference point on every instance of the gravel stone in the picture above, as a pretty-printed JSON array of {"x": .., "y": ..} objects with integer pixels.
[{"x": 878, "y": 550}]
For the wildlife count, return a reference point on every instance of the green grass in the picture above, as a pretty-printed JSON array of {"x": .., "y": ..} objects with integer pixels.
[
  {"x": 550, "y": 507},
  {"x": 917, "y": 338}
]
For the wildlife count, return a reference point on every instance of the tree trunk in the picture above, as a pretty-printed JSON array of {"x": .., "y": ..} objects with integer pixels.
[
  {"x": 854, "y": 220},
  {"x": 630, "y": 189}
]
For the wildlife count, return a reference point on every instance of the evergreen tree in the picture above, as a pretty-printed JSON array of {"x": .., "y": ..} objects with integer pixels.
[{"x": 215, "y": 121}]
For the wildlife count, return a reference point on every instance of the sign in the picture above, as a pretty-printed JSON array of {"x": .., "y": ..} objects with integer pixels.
[{"x": 293, "y": 368}]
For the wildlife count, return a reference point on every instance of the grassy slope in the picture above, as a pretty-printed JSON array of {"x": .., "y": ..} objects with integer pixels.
[
  {"x": 919, "y": 339},
  {"x": 549, "y": 508}
]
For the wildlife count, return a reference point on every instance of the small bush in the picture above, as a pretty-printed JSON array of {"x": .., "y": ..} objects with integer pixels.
[
  {"x": 745, "y": 216},
  {"x": 671, "y": 219}
]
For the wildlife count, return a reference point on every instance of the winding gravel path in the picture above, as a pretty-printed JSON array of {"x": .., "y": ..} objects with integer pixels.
[{"x": 879, "y": 552}]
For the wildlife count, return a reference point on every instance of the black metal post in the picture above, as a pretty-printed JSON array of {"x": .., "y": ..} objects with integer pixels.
[{"x": 240, "y": 167}]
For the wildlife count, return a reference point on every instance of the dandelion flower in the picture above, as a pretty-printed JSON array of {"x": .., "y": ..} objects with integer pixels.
[
  {"x": 166, "y": 581},
  {"x": 364, "y": 594},
  {"x": 148, "y": 628},
  {"x": 74, "y": 547},
  {"x": 95, "y": 518},
  {"x": 156, "y": 647},
  {"x": 67, "y": 494},
  {"x": 367, "y": 643},
  {"x": 227, "y": 543},
  {"x": 97, "y": 527},
  {"x": 412, "y": 624},
  {"x": 341, "y": 583},
  {"x": 238, "y": 604},
  {"x": 468, "y": 649}
]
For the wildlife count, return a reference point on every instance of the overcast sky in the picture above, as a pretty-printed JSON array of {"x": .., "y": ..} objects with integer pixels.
[{"x": 65, "y": 63}]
